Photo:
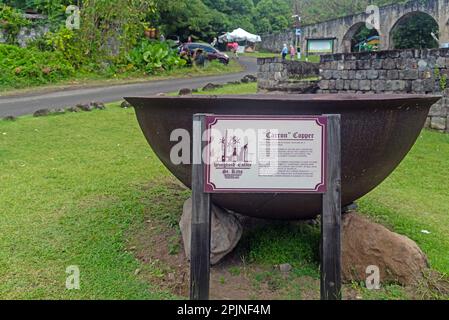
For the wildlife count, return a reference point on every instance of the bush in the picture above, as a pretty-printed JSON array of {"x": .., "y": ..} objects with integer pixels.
[
  {"x": 20, "y": 67},
  {"x": 66, "y": 42},
  {"x": 154, "y": 56}
]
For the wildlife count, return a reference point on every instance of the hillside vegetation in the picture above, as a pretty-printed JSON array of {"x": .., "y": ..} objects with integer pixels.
[{"x": 313, "y": 11}]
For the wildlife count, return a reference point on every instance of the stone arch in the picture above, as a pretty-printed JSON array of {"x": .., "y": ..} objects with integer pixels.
[
  {"x": 346, "y": 44},
  {"x": 403, "y": 18},
  {"x": 444, "y": 32}
]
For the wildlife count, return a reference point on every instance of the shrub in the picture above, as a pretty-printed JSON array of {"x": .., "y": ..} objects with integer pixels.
[
  {"x": 20, "y": 67},
  {"x": 154, "y": 56},
  {"x": 66, "y": 42}
]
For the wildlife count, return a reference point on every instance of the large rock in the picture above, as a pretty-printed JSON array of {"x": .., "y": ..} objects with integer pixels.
[
  {"x": 185, "y": 92},
  {"x": 365, "y": 243},
  {"x": 211, "y": 86},
  {"x": 42, "y": 113},
  {"x": 249, "y": 78},
  {"x": 85, "y": 107},
  {"x": 226, "y": 231}
]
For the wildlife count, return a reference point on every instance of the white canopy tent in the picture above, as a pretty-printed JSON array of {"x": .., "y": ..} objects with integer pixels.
[{"x": 239, "y": 35}]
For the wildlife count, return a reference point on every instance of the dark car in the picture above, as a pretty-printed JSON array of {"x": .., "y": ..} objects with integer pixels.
[{"x": 211, "y": 52}]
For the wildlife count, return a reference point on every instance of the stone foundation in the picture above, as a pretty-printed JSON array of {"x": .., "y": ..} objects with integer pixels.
[
  {"x": 397, "y": 71},
  {"x": 275, "y": 74},
  {"x": 405, "y": 71}
]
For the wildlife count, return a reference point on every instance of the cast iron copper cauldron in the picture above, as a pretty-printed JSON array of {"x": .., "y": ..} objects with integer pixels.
[{"x": 377, "y": 133}]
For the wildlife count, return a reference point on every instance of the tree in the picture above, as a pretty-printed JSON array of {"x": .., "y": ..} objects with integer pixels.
[
  {"x": 414, "y": 32},
  {"x": 188, "y": 18},
  {"x": 239, "y": 13},
  {"x": 313, "y": 11},
  {"x": 273, "y": 15}
]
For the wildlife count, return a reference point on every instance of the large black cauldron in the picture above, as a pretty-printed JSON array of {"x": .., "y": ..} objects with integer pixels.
[{"x": 377, "y": 133}]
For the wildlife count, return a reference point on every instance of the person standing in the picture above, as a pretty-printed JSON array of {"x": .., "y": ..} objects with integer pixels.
[
  {"x": 235, "y": 49},
  {"x": 292, "y": 52},
  {"x": 214, "y": 43},
  {"x": 284, "y": 52}
]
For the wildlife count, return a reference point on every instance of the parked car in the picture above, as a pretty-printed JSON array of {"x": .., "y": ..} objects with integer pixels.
[{"x": 211, "y": 52}]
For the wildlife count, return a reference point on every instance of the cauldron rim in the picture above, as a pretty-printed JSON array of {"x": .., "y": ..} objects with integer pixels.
[{"x": 298, "y": 97}]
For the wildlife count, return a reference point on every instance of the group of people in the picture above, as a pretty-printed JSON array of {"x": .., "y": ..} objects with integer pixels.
[
  {"x": 197, "y": 57},
  {"x": 285, "y": 51}
]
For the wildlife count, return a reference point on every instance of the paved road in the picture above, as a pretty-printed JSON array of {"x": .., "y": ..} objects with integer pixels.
[{"x": 30, "y": 103}]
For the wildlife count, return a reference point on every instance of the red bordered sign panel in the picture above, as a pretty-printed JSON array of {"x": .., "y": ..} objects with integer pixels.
[{"x": 265, "y": 154}]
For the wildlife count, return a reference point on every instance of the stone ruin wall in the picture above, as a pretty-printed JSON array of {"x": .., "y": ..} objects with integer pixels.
[
  {"x": 275, "y": 74},
  {"x": 398, "y": 71}
]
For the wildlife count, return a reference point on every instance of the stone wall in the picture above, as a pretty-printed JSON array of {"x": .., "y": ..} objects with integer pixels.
[
  {"x": 27, "y": 34},
  {"x": 405, "y": 71},
  {"x": 275, "y": 74},
  {"x": 39, "y": 27},
  {"x": 275, "y": 42}
]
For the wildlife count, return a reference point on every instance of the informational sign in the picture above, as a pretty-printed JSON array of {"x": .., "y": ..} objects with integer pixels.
[
  {"x": 298, "y": 32},
  {"x": 320, "y": 45},
  {"x": 265, "y": 154}
]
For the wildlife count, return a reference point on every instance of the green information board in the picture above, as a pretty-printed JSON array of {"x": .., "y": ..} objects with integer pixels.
[{"x": 320, "y": 46}]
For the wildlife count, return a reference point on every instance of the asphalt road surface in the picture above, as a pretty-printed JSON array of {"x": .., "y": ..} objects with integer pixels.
[{"x": 29, "y": 103}]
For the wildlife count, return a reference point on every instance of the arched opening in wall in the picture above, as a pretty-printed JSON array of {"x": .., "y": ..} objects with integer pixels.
[
  {"x": 361, "y": 38},
  {"x": 414, "y": 31}
]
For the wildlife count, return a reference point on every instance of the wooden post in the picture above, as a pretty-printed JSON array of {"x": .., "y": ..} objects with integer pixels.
[
  {"x": 331, "y": 215},
  {"x": 200, "y": 228}
]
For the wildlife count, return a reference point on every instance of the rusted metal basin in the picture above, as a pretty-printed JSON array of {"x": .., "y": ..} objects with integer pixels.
[{"x": 377, "y": 133}]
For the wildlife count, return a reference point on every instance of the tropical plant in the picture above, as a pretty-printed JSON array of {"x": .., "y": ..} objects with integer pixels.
[{"x": 154, "y": 56}]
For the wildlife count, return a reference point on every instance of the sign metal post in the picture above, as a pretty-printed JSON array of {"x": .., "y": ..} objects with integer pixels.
[{"x": 330, "y": 218}]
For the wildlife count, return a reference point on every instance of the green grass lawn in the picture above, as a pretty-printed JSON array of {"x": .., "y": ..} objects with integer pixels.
[
  {"x": 245, "y": 88},
  {"x": 416, "y": 198},
  {"x": 73, "y": 188},
  {"x": 312, "y": 58}
]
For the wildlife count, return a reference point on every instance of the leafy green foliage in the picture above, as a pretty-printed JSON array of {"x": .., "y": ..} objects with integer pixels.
[
  {"x": 313, "y": 11},
  {"x": 66, "y": 42},
  {"x": 273, "y": 15},
  {"x": 205, "y": 19},
  {"x": 31, "y": 66},
  {"x": 153, "y": 56},
  {"x": 53, "y": 9},
  {"x": 112, "y": 28},
  {"x": 187, "y": 18},
  {"x": 414, "y": 32}
]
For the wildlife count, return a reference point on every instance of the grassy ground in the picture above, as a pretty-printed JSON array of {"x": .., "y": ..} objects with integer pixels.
[
  {"x": 98, "y": 80},
  {"x": 246, "y": 88},
  {"x": 415, "y": 198},
  {"x": 314, "y": 59},
  {"x": 85, "y": 189}
]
